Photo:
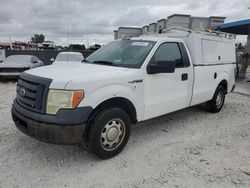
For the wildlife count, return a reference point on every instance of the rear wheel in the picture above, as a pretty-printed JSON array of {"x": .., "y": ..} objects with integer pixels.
[
  {"x": 217, "y": 102},
  {"x": 108, "y": 133}
]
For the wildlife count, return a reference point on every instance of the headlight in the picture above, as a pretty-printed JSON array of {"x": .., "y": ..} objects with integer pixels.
[{"x": 58, "y": 99}]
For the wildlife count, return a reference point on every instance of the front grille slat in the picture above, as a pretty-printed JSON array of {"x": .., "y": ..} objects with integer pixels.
[
  {"x": 27, "y": 85},
  {"x": 26, "y": 100},
  {"x": 32, "y": 92}
]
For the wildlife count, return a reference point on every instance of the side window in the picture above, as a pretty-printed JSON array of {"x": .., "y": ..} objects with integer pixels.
[{"x": 168, "y": 52}]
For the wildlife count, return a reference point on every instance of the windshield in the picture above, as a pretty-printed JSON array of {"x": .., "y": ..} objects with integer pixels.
[
  {"x": 18, "y": 59},
  {"x": 124, "y": 53},
  {"x": 69, "y": 57}
]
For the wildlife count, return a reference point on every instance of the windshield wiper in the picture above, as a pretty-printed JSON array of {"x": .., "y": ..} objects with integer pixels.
[{"x": 105, "y": 63}]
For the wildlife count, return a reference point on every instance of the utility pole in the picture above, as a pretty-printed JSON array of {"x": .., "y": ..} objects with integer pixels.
[
  {"x": 68, "y": 36},
  {"x": 248, "y": 47},
  {"x": 88, "y": 40},
  {"x": 10, "y": 42}
]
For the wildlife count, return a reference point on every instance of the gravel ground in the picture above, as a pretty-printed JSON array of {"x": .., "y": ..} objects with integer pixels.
[{"x": 188, "y": 148}]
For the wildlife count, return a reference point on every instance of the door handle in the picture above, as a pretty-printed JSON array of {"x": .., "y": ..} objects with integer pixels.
[{"x": 184, "y": 76}]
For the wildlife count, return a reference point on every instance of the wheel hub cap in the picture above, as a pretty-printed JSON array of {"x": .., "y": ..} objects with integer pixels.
[
  {"x": 112, "y": 134},
  {"x": 218, "y": 100}
]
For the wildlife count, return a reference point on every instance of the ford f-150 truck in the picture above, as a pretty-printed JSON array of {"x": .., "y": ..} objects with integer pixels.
[{"x": 122, "y": 83}]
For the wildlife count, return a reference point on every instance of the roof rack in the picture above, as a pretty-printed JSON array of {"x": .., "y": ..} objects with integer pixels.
[{"x": 204, "y": 32}]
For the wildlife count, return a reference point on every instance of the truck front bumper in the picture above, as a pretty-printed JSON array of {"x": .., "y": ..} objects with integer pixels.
[{"x": 52, "y": 129}]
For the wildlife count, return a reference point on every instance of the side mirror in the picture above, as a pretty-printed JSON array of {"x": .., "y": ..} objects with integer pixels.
[
  {"x": 161, "y": 67},
  {"x": 35, "y": 62},
  {"x": 52, "y": 59}
]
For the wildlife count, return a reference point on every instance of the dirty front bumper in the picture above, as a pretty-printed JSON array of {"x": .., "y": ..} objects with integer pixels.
[{"x": 66, "y": 127}]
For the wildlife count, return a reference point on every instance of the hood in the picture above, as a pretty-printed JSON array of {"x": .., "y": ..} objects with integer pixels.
[
  {"x": 14, "y": 65},
  {"x": 63, "y": 73}
]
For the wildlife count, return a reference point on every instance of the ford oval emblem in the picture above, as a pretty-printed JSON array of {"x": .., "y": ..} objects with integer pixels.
[{"x": 22, "y": 92}]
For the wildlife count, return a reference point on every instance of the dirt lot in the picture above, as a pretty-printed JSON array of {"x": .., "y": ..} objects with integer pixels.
[{"x": 188, "y": 148}]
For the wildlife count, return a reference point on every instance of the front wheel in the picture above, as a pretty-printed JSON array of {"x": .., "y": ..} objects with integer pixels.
[
  {"x": 108, "y": 133},
  {"x": 217, "y": 102}
]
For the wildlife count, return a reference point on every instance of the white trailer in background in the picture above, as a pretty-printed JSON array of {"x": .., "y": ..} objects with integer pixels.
[
  {"x": 125, "y": 32},
  {"x": 175, "y": 20},
  {"x": 145, "y": 29},
  {"x": 179, "y": 20},
  {"x": 152, "y": 28}
]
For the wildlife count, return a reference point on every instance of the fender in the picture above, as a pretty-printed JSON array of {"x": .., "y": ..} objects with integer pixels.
[
  {"x": 222, "y": 76},
  {"x": 109, "y": 91}
]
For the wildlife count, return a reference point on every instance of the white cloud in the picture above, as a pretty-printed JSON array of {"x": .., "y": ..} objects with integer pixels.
[{"x": 55, "y": 18}]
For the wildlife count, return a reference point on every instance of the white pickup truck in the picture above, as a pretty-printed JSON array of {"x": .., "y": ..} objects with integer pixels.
[{"x": 122, "y": 83}]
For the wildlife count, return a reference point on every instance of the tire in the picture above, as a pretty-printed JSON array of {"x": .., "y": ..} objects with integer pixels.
[
  {"x": 217, "y": 102},
  {"x": 108, "y": 133}
]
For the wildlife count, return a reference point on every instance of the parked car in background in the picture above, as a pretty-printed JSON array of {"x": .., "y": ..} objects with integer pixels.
[
  {"x": 69, "y": 57},
  {"x": 76, "y": 47},
  {"x": 95, "y": 47},
  {"x": 48, "y": 45},
  {"x": 2, "y": 55},
  {"x": 13, "y": 65}
]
